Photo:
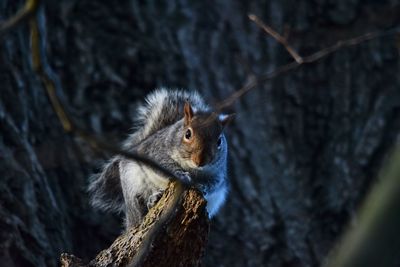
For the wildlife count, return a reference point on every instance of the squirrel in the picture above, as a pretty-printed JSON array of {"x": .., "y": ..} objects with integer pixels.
[{"x": 179, "y": 131}]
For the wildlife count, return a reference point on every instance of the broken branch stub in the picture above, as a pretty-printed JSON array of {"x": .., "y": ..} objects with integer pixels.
[{"x": 173, "y": 233}]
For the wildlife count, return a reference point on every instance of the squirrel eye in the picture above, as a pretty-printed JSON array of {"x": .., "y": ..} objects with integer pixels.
[
  {"x": 219, "y": 142},
  {"x": 188, "y": 134}
]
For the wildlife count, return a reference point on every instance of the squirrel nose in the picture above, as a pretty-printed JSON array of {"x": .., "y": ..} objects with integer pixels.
[{"x": 199, "y": 159}]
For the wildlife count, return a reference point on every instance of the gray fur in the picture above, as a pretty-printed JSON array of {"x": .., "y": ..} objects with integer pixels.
[
  {"x": 134, "y": 187},
  {"x": 105, "y": 188},
  {"x": 162, "y": 108}
]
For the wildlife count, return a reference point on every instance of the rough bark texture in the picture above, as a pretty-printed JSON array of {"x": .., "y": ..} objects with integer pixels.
[
  {"x": 304, "y": 148},
  {"x": 179, "y": 241}
]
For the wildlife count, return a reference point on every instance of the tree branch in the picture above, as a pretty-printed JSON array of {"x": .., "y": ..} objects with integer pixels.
[
  {"x": 174, "y": 226},
  {"x": 277, "y": 37},
  {"x": 23, "y": 14},
  {"x": 299, "y": 60}
]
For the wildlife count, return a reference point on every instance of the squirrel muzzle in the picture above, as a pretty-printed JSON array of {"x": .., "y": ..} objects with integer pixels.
[{"x": 200, "y": 158}]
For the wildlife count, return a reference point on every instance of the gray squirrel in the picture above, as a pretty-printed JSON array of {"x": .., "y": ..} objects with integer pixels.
[{"x": 179, "y": 131}]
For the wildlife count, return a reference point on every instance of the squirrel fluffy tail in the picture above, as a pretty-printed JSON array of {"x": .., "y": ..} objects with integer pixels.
[{"x": 105, "y": 188}]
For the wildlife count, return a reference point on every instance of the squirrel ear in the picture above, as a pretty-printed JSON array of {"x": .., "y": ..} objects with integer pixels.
[
  {"x": 188, "y": 111},
  {"x": 225, "y": 119}
]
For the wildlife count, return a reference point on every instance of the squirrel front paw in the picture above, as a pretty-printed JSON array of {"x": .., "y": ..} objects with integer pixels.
[
  {"x": 153, "y": 199},
  {"x": 183, "y": 176}
]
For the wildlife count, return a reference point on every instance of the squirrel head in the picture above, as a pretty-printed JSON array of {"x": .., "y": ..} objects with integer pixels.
[{"x": 202, "y": 134}]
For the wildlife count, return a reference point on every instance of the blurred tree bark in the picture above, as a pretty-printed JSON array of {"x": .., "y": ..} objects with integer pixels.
[{"x": 305, "y": 147}]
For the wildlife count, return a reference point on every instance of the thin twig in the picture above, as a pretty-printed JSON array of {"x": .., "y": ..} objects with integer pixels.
[
  {"x": 350, "y": 42},
  {"x": 37, "y": 64},
  {"x": 305, "y": 60},
  {"x": 24, "y": 13},
  {"x": 254, "y": 82},
  {"x": 277, "y": 37}
]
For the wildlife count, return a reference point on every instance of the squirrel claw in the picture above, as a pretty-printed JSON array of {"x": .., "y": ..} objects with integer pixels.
[{"x": 153, "y": 199}]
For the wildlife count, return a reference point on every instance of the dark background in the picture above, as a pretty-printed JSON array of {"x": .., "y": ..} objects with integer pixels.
[{"x": 304, "y": 148}]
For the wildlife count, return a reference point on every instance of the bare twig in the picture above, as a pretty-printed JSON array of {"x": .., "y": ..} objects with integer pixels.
[
  {"x": 24, "y": 13},
  {"x": 348, "y": 43},
  {"x": 254, "y": 82},
  {"x": 277, "y": 37},
  {"x": 307, "y": 59},
  {"x": 37, "y": 63}
]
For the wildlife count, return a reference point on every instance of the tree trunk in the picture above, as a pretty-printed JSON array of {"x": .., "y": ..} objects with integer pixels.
[{"x": 304, "y": 148}]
